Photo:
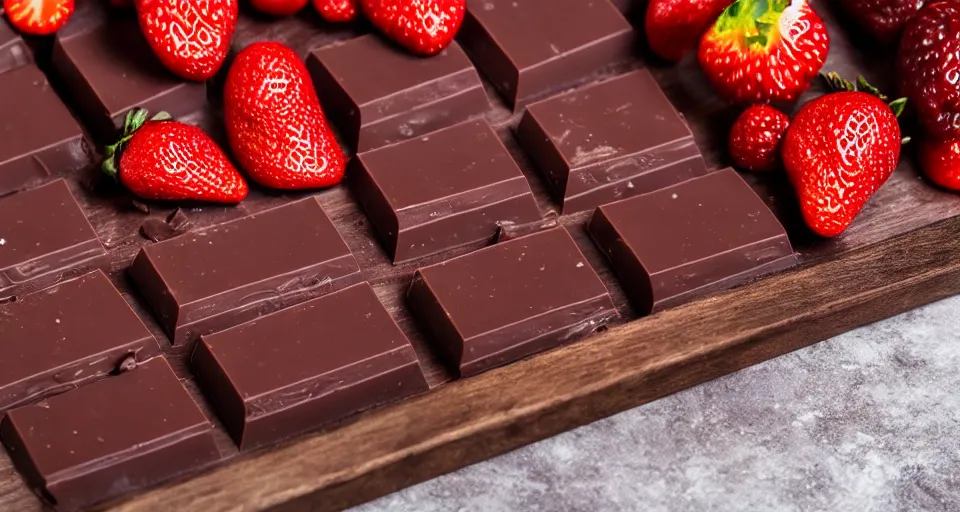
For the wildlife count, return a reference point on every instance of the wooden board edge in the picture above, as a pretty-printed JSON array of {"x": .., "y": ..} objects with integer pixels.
[{"x": 474, "y": 419}]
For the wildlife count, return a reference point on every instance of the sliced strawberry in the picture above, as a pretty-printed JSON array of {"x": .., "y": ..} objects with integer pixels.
[{"x": 38, "y": 17}]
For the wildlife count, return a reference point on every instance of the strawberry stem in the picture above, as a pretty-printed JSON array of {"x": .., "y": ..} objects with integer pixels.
[
  {"x": 755, "y": 21},
  {"x": 134, "y": 120},
  {"x": 838, "y": 83}
]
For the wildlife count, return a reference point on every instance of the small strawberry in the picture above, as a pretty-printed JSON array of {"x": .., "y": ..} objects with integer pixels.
[
  {"x": 166, "y": 160},
  {"x": 756, "y": 136},
  {"x": 928, "y": 67},
  {"x": 336, "y": 11},
  {"x": 674, "y": 27},
  {"x": 274, "y": 122},
  {"x": 882, "y": 19},
  {"x": 940, "y": 161},
  {"x": 279, "y": 7},
  {"x": 840, "y": 148},
  {"x": 38, "y": 17},
  {"x": 191, "y": 38},
  {"x": 422, "y": 26},
  {"x": 760, "y": 51}
]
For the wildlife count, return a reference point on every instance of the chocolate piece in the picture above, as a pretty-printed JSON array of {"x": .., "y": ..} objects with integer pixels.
[
  {"x": 689, "y": 240},
  {"x": 610, "y": 141},
  {"x": 13, "y": 51},
  {"x": 44, "y": 238},
  {"x": 394, "y": 95},
  {"x": 157, "y": 230},
  {"x": 111, "y": 437},
  {"x": 510, "y": 230},
  {"x": 40, "y": 137},
  {"x": 529, "y": 48},
  {"x": 306, "y": 366},
  {"x": 444, "y": 190},
  {"x": 66, "y": 336},
  {"x": 509, "y": 301},
  {"x": 212, "y": 279},
  {"x": 111, "y": 69},
  {"x": 625, "y": 6}
]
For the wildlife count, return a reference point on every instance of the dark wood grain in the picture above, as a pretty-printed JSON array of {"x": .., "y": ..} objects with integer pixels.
[{"x": 900, "y": 253}]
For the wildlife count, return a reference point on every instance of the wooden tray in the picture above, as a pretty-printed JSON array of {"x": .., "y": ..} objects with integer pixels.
[{"x": 900, "y": 253}]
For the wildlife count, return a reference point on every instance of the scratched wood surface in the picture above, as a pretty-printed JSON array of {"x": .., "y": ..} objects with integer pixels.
[{"x": 900, "y": 253}]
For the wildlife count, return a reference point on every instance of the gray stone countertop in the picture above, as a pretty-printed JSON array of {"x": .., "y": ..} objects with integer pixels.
[{"x": 866, "y": 421}]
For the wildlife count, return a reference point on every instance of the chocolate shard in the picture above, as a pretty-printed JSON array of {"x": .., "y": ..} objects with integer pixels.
[
  {"x": 328, "y": 358},
  {"x": 44, "y": 238},
  {"x": 47, "y": 140},
  {"x": 690, "y": 240},
  {"x": 157, "y": 230},
  {"x": 610, "y": 141},
  {"x": 66, "y": 336},
  {"x": 444, "y": 190},
  {"x": 108, "y": 438},
  {"x": 13, "y": 51},
  {"x": 394, "y": 96},
  {"x": 509, "y": 301},
  {"x": 111, "y": 69},
  {"x": 530, "y": 48},
  {"x": 211, "y": 279}
]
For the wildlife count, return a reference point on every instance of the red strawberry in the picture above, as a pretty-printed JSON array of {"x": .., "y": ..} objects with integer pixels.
[
  {"x": 760, "y": 51},
  {"x": 274, "y": 121},
  {"x": 928, "y": 67},
  {"x": 279, "y": 7},
  {"x": 940, "y": 161},
  {"x": 191, "y": 38},
  {"x": 166, "y": 160},
  {"x": 883, "y": 19},
  {"x": 756, "y": 136},
  {"x": 336, "y": 11},
  {"x": 675, "y": 26},
  {"x": 421, "y": 26},
  {"x": 839, "y": 149},
  {"x": 38, "y": 17}
]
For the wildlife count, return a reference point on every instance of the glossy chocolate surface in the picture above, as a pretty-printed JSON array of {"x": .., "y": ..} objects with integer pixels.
[
  {"x": 609, "y": 141},
  {"x": 39, "y": 138},
  {"x": 212, "y": 279},
  {"x": 110, "y": 69},
  {"x": 509, "y": 301},
  {"x": 529, "y": 48},
  {"x": 686, "y": 241},
  {"x": 107, "y": 438},
  {"x": 13, "y": 51},
  {"x": 44, "y": 238},
  {"x": 67, "y": 336},
  {"x": 448, "y": 189},
  {"x": 306, "y": 366},
  {"x": 394, "y": 95}
]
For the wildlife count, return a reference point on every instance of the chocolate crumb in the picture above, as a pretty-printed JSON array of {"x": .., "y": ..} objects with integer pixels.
[
  {"x": 157, "y": 230},
  {"x": 128, "y": 364}
]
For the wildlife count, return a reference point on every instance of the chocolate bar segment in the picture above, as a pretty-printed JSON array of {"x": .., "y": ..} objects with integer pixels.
[
  {"x": 111, "y": 437},
  {"x": 509, "y": 301},
  {"x": 529, "y": 48},
  {"x": 13, "y": 51},
  {"x": 394, "y": 95},
  {"x": 610, "y": 141},
  {"x": 690, "y": 240},
  {"x": 306, "y": 366},
  {"x": 40, "y": 137},
  {"x": 44, "y": 238},
  {"x": 111, "y": 69},
  {"x": 212, "y": 279},
  {"x": 66, "y": 336},
  {"x": 448, "y": 189}
]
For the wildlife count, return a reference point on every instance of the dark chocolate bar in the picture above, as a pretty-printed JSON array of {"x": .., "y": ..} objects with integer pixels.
[
  {"x": 13, "y": 51},
  {"x": 212, "y": 279},
  {"x": 689, "y": 240},
  {"x": 40, "y": 138},
  {"x": 509, "y": 301},
  {"x": 306, "y": 366},
  {"x": 448, "y": 189},
  {"x": 111, "y": 69},
  {"x": 44, "y": 238},
  {"x": 610, "y": 141},
  {"x": 66, "y": 336},
  {"x": 394, "y": 95},
  {"x": 120, "y": 434},
  {"x": 528, "y": 48}
]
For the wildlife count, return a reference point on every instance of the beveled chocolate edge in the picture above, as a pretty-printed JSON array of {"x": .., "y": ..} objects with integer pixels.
[{"x": 83, "y": 260}]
